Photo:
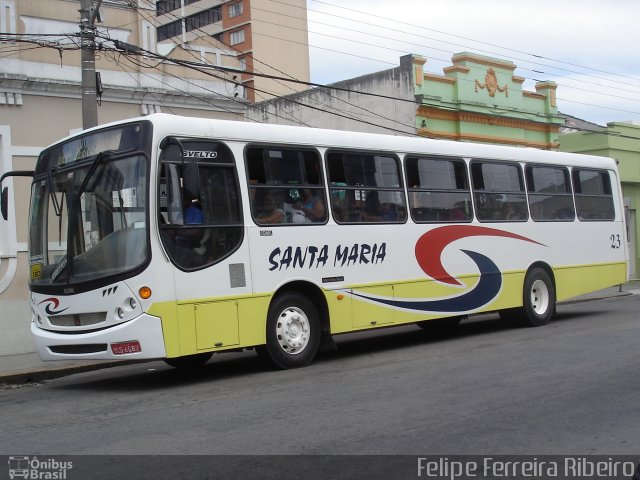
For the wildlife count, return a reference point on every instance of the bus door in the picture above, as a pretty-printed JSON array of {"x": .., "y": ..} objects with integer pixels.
[{"x": 201, "y": 229}]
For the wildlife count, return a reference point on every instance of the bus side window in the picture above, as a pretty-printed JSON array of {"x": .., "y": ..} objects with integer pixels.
[
  {"x": 365, "y": 188},
  {"x": 498, "y": 190},
  {"x": 285, "y": 185},
  {"x": 439, "y": 190},
  {"x": 550, "y": 198},
  {"x": 594, "y": 198}
]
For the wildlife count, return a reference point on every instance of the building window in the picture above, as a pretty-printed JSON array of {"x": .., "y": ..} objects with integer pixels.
[
  {"x": 201, "y": 19},
  {"x": 169, "y": 30},
  {"x": 166, "y": 6},
  {"x": 219, "y": 37},
  {"x": 7, "y": 17},
  {"x": 236, "y": 37},
  {"x": 243, "y": 63},
  {"x": 235, "y": 9}
]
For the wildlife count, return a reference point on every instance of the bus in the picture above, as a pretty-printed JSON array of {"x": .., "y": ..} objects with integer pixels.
[{"x": 167, "y": 237}]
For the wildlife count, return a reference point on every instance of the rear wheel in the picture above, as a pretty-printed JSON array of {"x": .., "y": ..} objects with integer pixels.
[
  {"x": 293, "y": 332},
  {"x": 539, "y": 300}
]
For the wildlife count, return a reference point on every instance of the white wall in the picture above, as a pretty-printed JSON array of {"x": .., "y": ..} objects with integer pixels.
[{"x": 15, "y": 316}]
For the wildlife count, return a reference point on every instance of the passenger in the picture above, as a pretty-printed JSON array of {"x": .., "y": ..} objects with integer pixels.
[
  {"x": 311, "y": 206},
  {"x": 193, "y": 213},
  {"x": 191, "y": 238},
  {"x": 271, "y": 213}
]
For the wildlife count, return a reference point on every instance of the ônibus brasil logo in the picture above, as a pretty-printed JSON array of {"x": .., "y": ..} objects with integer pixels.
[
  {"x": 428, "y": 251},
  {"x": 41, "y": 469},
  {"x": 52, "y": 305}
]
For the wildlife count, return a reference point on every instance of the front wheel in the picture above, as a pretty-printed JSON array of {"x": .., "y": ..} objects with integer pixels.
[
  {"x": 293, "y": 332},
  {"x": 189, "y": 362}
]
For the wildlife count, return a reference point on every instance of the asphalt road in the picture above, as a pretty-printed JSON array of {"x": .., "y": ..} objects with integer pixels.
[{"x": 571, "y": 387}]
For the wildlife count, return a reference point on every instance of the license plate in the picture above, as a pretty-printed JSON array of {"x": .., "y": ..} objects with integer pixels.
[{"x": 126, "y": 347}]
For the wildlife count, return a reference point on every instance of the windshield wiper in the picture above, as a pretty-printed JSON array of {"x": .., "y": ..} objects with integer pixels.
[
  {"x": 54, "y": 200},
  {"x": 101, "y": 157}
]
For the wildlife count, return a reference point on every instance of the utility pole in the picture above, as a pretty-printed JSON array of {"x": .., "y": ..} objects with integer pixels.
[{"x": 88, "y": 62}]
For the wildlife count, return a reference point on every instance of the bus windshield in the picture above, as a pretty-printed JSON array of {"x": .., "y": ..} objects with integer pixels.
[{"x": 88, "y": 219}]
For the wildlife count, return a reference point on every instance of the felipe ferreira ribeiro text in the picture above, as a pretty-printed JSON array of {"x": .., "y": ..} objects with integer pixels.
[{"x": 490, "y": 467}]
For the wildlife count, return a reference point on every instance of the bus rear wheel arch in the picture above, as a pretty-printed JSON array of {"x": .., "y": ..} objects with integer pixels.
[
  {"x": 293, "y": 331},
  {"x": 538, "y": 299}
]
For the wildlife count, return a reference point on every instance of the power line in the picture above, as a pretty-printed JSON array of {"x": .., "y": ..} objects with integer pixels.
[
  {"x": 366, "y": 93},
  {"x": 128, "y": 51},
  {"x": 374, "y": 114},
  {"x": 422, "y": 27},
  {"x": 199, "y": 67},
  {"x": 384, "y": 47}
]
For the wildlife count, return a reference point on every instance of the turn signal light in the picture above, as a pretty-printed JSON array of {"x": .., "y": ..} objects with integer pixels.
[{"x": 144, "y": 292}]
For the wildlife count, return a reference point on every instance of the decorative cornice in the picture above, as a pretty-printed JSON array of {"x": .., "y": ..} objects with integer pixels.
[
  {"x": 166, "y": 98},
  {"x": 418, "y": 60},
  {"x": 484, "y": 119},
  {"x": 517, "y": 79},
  {"x": 546, "y": 86},
  {"x": 478, "y": 59},
  {"x": 439, "y": 78},
  {"x": 537, "y": 96},
  {"x": 456, "y": 68},
  {"x": 425, "y": 132}
]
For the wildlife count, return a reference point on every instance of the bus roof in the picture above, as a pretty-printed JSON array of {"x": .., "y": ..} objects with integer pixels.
[{"x": 231, "y": 130}]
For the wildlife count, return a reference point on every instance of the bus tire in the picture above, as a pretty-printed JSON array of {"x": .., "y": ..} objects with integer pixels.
[
  {"x": 189, "y": 362},
  {"x": 293, "y": 332},
  {"x": 538, "y": 298}
]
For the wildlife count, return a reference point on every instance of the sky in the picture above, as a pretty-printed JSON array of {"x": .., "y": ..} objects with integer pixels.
[{"x": 590, "y": 48}]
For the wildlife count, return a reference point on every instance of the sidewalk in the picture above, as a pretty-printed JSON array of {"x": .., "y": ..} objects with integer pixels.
[{"x": 26, "y": 368}]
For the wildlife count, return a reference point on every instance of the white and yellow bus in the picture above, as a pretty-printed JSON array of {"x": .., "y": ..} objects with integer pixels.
[{"x": 175, "y": 238}]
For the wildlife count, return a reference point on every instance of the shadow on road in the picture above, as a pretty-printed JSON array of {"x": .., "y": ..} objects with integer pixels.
[{"x": 159, "y": 376}]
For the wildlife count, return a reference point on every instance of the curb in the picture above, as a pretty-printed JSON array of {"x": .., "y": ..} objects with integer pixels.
[
  {"x": 591, "y": 299},
  {"x": 36, "y": 375}
]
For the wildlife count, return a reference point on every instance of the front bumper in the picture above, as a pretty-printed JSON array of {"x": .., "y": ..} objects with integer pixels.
[{"x": 145, "y": 329}]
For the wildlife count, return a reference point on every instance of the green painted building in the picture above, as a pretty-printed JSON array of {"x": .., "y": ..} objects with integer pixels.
[
  {"x": 480, "y": 99},
  {"x": 475, "y": 99},
  {"x": 621, "y": 141}
]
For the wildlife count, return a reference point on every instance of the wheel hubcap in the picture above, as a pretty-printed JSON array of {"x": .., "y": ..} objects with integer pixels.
[
  {"x": 539, "y": 297},
  {"x": 292, "y": 330}
]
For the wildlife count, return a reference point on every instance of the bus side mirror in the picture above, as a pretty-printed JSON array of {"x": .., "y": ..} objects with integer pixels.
[
  {"x": 191, "y": 181},
  {"x": 4, "y": 199}
]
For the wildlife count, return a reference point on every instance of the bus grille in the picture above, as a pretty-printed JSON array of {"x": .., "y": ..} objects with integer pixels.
[{"x": 78, "y": 319}]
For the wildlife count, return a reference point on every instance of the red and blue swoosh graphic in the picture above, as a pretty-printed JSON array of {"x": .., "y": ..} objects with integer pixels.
[
  {"x": 52, "y": 305},
  {"x": 428, "y": 251}
]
